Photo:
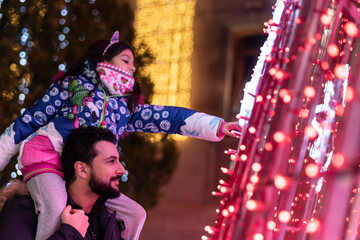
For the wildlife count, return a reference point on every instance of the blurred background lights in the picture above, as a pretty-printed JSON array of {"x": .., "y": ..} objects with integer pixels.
[
  {"x": 333, "y": 50},
  {"x": 258, "y": 236},
  {"x": 351, "y": 29},
  {"x": 312, "y": 226},
  {"x": 281, "y": 137},
  {"x": 281, "y": 182},
  {"x": 271, "y": 225},
  {"x": 312, "y": 170},
  {"x": 284, "y": 216},
  {"x": 170, "y": 38},
  {"x": 309, "y": 92},
  {"x": 340, "y": 71},
  {"x": 310, "y": 132},
  {"x": 338, "y": 160},
  {"x": 61, "y": 67}
]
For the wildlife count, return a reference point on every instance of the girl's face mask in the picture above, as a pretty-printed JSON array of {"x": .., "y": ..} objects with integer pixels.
[{"x": 115, "y": 80}]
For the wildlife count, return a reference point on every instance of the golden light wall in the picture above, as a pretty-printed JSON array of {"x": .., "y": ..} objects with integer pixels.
[{"x": 166, "y": 26}]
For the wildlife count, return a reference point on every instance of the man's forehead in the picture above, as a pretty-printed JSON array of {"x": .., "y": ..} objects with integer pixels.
[{"x": 105, "y": 147}]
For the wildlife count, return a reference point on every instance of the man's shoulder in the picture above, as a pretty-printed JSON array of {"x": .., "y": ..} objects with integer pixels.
[
  {"x": 20, "y": 201},
  {"x": 18, "y": 219}
]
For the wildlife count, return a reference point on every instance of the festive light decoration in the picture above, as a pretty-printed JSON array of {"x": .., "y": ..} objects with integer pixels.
[
  {"x": 170, "y": 36},
  {"x": 300, "y": 177},
  {"x": 167, "y": 28}
]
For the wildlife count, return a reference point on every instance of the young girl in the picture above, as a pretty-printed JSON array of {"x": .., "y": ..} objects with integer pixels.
[{"x": 101, "y": 91}]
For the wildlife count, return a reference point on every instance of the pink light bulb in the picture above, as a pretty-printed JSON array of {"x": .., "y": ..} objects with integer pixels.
[
  {"x": 312, "y": 170},
  {"x": 310, "y": 132},
  {"x": 309, "y": 92},
  {"x": 284, "y": 216},
  {"x": 333, "y": 50},
  {"x": 351, "y": 29}
]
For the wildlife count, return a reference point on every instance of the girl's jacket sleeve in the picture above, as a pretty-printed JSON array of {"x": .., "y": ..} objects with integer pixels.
[
  {"x": 175, "y": 120},
  {"x": 31, "y": 120}
]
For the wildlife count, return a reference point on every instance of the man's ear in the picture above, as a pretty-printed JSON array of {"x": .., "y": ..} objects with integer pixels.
[{"x": 81, "y": 169}]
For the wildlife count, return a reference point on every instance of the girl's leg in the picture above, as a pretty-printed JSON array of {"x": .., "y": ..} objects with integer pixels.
[
  {"x": 49, "y": 194},
  {"x": 130, "y": 213}
]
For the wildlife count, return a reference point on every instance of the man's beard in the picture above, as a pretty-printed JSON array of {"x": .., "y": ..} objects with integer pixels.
[{"x": 102, "y": 188}]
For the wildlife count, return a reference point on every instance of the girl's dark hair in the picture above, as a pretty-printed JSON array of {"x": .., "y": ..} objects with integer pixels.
[{"x": 94, "y": 54}]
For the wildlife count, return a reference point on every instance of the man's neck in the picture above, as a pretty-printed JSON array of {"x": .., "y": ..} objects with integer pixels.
[{"x": 82, "y": 196}]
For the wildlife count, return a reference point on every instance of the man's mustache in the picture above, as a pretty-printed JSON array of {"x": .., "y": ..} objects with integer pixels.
[{"x": 118, "y": 177}]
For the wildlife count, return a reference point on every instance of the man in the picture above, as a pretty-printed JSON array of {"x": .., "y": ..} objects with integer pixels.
[{"x": 92, "y": 171}]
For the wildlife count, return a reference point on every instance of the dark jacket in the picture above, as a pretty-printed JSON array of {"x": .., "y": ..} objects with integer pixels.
[{"x": 18, "y": 221}]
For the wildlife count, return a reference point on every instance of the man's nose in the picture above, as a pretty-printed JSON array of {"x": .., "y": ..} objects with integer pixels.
[{"x": 120, "y": 170}]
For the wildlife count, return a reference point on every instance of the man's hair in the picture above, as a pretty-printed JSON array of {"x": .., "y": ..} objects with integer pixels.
[{"x": 79, "y": 146}]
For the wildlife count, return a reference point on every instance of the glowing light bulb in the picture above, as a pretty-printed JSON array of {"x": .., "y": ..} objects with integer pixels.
[
  {"x": 243, "y": 157},
  {"x": 259, "y": 98},
  {"x": 351, "y": 29},
  {"x": 281, "y": 182},
  {"x": 225, "y": 213},
  {"x": 268, "y": 146},
  {"x": 339, "y": 109},
  {"x": 224, "y": 189},
  {"x": 230, "y": 151},
  {"x": 254, "y": 179},
  {"x": 338, "y": 160},
  {"x": 325, "y": 19},
  {"x": 332, "y": 50},
  {"x": 350, "y": 94},
  {"x": 268, "y": 58},
  {"x": 271, "y": 225},
  {"x": 222, "y": 182},
  {"x": 280, "y": 75},
  {"x": 272, "y": 71},
  {"x": 287, "y": 98},
  {"x": 312, "y": 170},
  {"x": 310, "y": 132},
  {"x": 312, "y": 226},
  {"x": 324, "y": 65},
  {"x": 227, "y": 171},
  {"x": 258, "y": 236},
  {"x": 312, "y": 40},
  {"x": 283, "y": 92},
  {"x": 209, "y": 229},
  {"x": 234, "y": 157},
  {"x": 340, "y": 71},
  {"x": 250, "y": 187},
  {"x": 284, "y": 216},
  {"x": 251, "y": 205},
  {"x": 256, "y": 167},
  {"x": 304, "y": 113},
  {"x": 309, "y": 92},
  {"x": 252, "y": 130},
  {"x": 231, "y": 208},
  {"x": 281, "y": 137}
]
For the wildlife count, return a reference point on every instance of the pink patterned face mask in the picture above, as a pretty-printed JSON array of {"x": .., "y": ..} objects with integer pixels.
[{"x": 115, "y": 80}]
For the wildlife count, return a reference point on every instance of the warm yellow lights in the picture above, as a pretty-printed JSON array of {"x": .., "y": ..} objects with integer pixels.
[{"x": 166, "y": 26}]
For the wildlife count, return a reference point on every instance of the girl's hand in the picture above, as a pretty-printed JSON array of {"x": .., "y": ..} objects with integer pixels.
[{"x": 231, "y": 129}]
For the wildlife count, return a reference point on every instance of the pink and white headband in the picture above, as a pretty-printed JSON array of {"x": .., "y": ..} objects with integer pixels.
[{"x": 114, "y": 39}]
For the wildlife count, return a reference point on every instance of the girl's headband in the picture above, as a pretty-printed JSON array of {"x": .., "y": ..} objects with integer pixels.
[{"x": 114, "y": 39}]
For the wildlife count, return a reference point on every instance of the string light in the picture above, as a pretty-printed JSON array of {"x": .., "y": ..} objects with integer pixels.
[{"x": 292, "y": 144}]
